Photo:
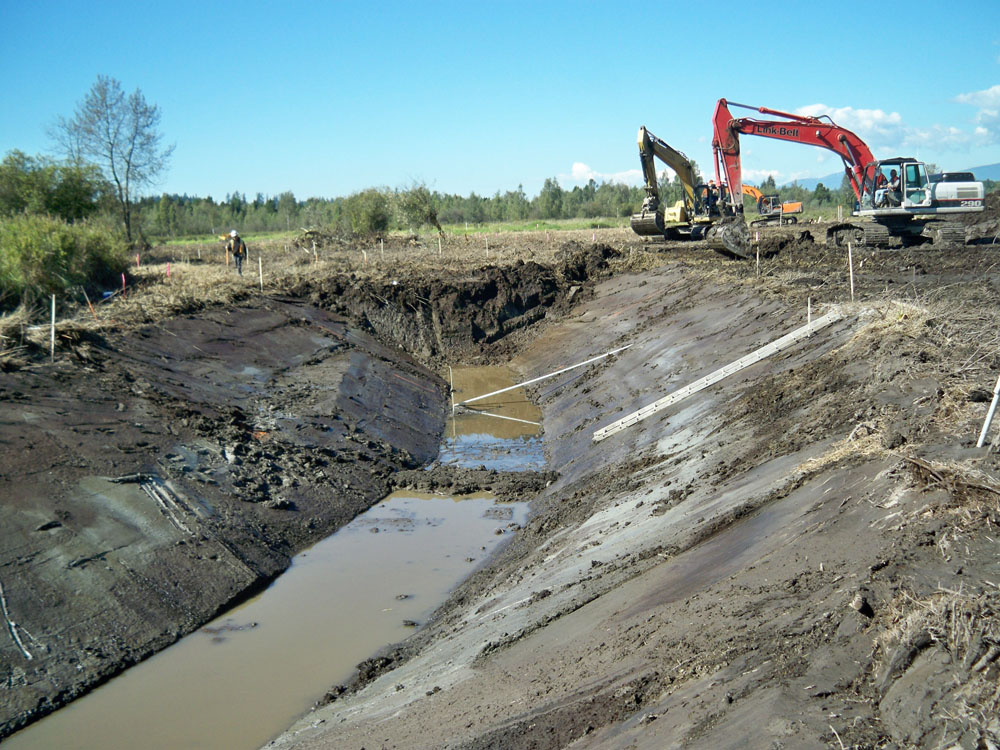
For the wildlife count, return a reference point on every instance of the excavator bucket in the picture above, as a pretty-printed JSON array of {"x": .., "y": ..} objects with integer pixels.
[
  {"x": 730, "y": 234},
  {"x": 647, "y": 223}
]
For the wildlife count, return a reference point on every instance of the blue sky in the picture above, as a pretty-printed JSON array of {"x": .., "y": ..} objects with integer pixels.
[{"x": 328, "y": 98}]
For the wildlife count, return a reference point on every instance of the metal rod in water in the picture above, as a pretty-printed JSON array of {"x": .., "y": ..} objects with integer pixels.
[
  {"x": 544, "y": 377},
  {"x": 501, "y": 416}
]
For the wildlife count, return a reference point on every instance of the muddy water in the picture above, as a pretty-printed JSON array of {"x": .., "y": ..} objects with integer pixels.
[
  {"x": 500, "y": 432},
  {"x": 246, "y": 676}
]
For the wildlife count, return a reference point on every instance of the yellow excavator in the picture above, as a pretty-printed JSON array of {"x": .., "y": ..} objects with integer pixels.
[
  {"x": 771, "y": 209},
  {"x": 703, "y": 214}
]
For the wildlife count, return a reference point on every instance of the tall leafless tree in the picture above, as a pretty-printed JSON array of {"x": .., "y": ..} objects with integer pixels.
[{"x": 120, "y": 133}]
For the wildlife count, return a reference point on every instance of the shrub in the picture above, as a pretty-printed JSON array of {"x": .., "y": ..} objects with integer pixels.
[{"x": 40, "y": 255}]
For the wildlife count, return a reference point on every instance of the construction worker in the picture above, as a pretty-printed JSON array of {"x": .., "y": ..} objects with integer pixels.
[
  {"x": 238, "y": 248},
  {"x": 712, "y": 196},
  {"x": 894, "y": 194}
]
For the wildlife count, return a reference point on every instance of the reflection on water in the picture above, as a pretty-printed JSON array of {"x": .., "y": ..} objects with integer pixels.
[
  {"x": 244, "y": 677},
  {"x": 501, "y": 432}
]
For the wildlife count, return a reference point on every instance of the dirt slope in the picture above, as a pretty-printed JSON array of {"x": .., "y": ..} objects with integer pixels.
[{"x": 800, "y": 556}]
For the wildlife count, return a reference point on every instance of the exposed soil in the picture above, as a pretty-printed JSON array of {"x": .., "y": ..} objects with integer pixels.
[{"x": 802, "y": 555}]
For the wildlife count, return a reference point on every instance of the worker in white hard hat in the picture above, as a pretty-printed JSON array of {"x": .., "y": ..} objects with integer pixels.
[{"x": 238, "y": 248}]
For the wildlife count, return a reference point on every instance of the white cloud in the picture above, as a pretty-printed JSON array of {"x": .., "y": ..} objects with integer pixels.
[
  {"x": 878, "y": 128},
  {"x": 987, "y": 119},
  {"x": 756, "y": 176},
  {"x": 986, "y": 98},
  {"x": 581, "y": 173},
  {"x": 886, "y": 131}
]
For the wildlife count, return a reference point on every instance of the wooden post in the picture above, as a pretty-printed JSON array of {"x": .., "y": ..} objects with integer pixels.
[
  {"x": 92, "y": 312},
  {"x": 260, "y": 270},
  {"x": 850, "y": 265},
  {"x": 989, "y": 415},
  {"x": 52, "y": 331}
]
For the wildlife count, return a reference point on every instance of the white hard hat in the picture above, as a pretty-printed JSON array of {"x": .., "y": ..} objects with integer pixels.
[{"x": 233, "y": 233}]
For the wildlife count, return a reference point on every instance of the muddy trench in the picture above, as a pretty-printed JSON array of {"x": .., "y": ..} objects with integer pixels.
[
  {"x": 153, "y": 480},
  {"x": 798, "y": 556}
]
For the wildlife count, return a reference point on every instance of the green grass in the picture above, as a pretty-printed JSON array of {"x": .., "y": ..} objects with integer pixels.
[
  {"x": 205, "y": 239},
  {"x": 536, "y": 225}
]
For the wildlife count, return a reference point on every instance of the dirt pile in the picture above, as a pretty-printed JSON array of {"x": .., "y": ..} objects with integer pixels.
[
  {"x": 983, "y": 228},
  {"x": 463, "y": 316}
]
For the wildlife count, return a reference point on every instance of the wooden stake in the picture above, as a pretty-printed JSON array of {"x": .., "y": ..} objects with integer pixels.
[
  {"x": 52, "y": 332},
  {"x": 850, "y": 265},
  {"x": 92, "y": 312},
  {"x": 989, "y": 414},
  {"x": 260, "y": 270}
]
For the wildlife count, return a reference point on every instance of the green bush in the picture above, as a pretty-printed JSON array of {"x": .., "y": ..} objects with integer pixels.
[
  {"x": 40, "y": 255},
  {"x": 366, "y": 213}
]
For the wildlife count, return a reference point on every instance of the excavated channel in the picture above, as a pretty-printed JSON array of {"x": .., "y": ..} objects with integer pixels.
[{"x": 248, "y": 674}]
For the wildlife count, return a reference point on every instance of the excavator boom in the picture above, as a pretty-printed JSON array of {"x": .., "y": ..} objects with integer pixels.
[{"x": 814, "y": 131}]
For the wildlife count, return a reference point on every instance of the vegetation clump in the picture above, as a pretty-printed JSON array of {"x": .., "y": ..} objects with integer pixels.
[{"x": 42, "y": 255}]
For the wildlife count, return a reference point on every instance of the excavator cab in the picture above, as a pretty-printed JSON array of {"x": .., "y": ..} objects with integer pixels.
[
  {"x": 709, "y": 199},
  {"x": 900, "y": 183}
]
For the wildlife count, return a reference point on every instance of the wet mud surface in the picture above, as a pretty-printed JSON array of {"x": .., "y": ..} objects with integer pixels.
[{"x": 799, "y": 556}]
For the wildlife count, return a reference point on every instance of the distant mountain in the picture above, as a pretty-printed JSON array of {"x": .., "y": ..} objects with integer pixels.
[
  {"x": 986, "y": 172},
  {"x": 831, "y": 181}
]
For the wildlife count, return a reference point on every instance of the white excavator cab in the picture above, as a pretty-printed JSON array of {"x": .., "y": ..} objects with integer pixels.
[{"x": 916, "y": 187}]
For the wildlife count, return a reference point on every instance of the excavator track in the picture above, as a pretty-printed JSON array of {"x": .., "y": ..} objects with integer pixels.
[
  {"x": 859, "y": 235},
  {"x": 839, "y": 235},
  {"x": 944, "y": 233}
]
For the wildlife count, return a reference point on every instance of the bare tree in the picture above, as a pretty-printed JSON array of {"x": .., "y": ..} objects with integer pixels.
[{"x": 119, "y": 132}]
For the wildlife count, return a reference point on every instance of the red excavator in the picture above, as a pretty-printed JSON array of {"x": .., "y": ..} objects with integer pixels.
[{"x": 902, "y": 207}]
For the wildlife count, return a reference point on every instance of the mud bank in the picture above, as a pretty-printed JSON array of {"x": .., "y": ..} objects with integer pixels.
[
  {"x": 157, "y": 478},
  {"x": 800, "y": 556},
  {"x": 153, "y": 479}
]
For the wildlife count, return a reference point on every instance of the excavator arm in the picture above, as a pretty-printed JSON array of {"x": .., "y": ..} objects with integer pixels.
[
  {"x": 859, "y": 163},
  {"x": 650, "y": 146}
]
